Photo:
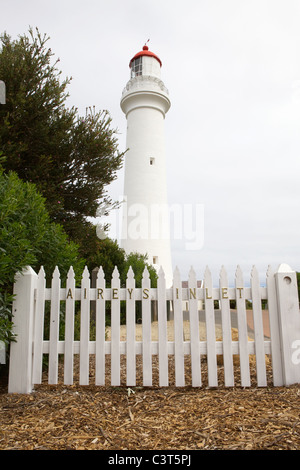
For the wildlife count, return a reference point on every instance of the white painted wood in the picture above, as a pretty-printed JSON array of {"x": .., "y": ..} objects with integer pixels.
[
  {"x": 130, "y": 329},
  {"x": 69, "y": 327},
  {"x": 20, "y": 363},
  {"x": 210, "y": 331},
  {"x": 289, "y": 323},
  {"x": 178, "y": 330},
  {"x": 54, "y": 328},
  {"x": 100, "y": 328},
  {"x": 28, "y": 309},
  {"x": 274, "y": 329},
  {"x": 154, "y": 347},
  {"x": 226, "y": 329},
  {"x": 115, "y": 328},
  {"x": 146, "y": 330},
  {"x": 194, "y": 330},
  {"x": 242, "y": 329},
  {"x": 258, "y": 330},
  {"x": 84, "y": 328},
  {"x": 162, "y": 330},
  {"x": 37, "y": 368}
]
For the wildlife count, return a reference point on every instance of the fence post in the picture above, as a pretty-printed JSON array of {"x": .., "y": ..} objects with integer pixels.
[
  {"x": 289, "y": 323},
  {"x": 20, "y": 362}
]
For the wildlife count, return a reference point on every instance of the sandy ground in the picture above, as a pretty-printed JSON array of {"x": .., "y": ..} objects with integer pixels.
[
  {"x": 170, "y": 331},
  {"x": 202, "y": 327}
]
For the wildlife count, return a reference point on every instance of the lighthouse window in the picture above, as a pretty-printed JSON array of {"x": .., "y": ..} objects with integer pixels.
[
  {"x": 152, "y": 160},
  {"x": 155, "y": 259},
  {"x": 136, "y": 67}
]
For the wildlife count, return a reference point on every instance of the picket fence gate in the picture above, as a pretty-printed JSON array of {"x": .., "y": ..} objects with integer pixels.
[{"x": 31, "y": 295}]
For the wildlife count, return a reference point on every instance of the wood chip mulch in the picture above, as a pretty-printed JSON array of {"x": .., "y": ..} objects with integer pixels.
[{"x": 122, "y": 418}]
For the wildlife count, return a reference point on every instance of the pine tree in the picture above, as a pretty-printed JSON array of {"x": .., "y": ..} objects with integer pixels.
[{"x": 71, "y": 159}]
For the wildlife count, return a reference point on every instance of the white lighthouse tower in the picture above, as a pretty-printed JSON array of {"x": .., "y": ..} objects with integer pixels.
[{"x": 145, "y": 102}]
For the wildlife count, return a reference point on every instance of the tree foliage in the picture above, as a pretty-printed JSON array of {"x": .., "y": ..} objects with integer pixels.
[
  {"x": 71, "y": 159},
  {"x": 109, "y": 254},
  {"x": 138, "y": 262},
  {"x": 56, "y": 169},
  {"x": 28, "y": 237}
]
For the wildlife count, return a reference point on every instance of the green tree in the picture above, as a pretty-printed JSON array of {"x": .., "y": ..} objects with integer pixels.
[
  {"x": 109, "y": 254},
  {"x": 71, "y": 159},
  {"x": 28, "y": 237},
  {"x": 105, "y": 253},
  {"x": 138, "y": 262}
]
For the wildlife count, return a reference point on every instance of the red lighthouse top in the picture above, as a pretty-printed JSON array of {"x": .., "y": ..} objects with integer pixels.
[{"x": 145, "y": 52}]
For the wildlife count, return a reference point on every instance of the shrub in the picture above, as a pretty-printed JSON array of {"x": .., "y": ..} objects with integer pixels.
[{"x": 28, "y": 237}]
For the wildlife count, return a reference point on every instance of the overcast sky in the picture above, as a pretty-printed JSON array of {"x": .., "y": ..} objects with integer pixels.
[{"x": 232, "y": 68}]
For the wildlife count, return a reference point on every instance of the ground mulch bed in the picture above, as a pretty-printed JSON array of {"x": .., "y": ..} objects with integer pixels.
[{"x": 137, "y": 418}]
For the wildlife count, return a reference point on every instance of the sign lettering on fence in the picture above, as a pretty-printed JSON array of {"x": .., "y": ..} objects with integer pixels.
[{"x": 229, "y": 317}]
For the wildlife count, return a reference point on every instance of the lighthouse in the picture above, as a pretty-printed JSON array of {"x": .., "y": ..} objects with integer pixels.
[{"x": 145, "y": 224}]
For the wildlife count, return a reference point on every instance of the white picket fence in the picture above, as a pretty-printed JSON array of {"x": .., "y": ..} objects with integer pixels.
[{"x": 280, "y": 291}]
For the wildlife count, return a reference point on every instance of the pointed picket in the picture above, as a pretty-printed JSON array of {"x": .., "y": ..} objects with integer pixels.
[
  {"x": 115, "y": 328},
  {"x": 100, "y": 328},
  {"x": 242, "y": 328},
  {"x": 54, "y": 328},
  {"x": 84, "y": 328},
  {"x": 194, "y": 330},
  {"x": 210, "y": 331},
  {"x": 258, "y": 330},
  {"x": 130, "y": 329},
  {"x": 226, "y": 329},
  {"x": 178, "y": 329},
  {"x": 146, "y": 329},
  {"x": 69, "y": 328},
  {"x": 162, "y": 330},
  {"x": 274, "y": 329},
  {"x": 99, "y": 294},
  {"x": 39, "y": 329}
]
